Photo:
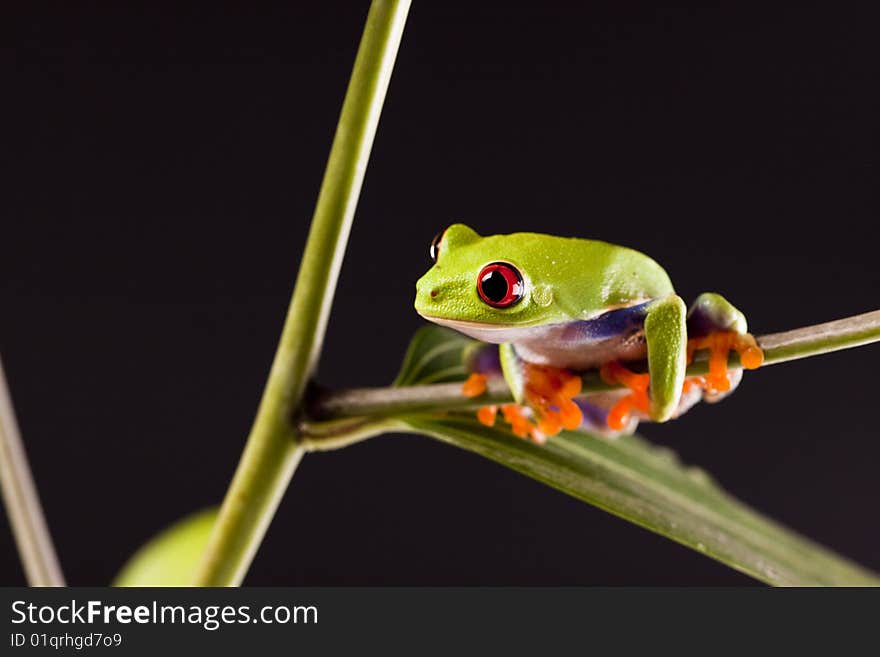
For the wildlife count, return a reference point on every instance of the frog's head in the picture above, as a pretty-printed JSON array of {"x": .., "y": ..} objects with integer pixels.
[{"x": 491, "y": 288}]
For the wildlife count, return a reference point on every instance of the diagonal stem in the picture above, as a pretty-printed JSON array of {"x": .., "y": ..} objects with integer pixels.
[
  {"x": 273, "y": 448},
  {"x": 22, "y": 501},
  {"x": 778, "y": 348}
]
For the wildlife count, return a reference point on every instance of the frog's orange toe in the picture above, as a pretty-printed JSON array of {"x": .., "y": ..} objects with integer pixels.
[
  {"x": 523, "y": 427},
  {"x": 637, "y": 399},
  {"x": 618, "y": 416},
  {"x": 549, "y": 423},
  {"x": 720, "y": 344},
  {"x": 515, "y": 417},
  {"x": 571, "y": 385},
  {"x": 750, "y": 354},
  {"x": 487, "y": 414},
  {"x": 474, "y": 386},
  {"x": 570, "y": 414}
]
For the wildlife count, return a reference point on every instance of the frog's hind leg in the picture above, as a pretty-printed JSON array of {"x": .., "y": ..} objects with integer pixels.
[{"x": 713, "y": 323}]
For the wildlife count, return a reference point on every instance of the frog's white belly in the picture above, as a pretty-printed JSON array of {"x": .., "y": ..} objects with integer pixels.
[
  {"x": 577, "y": 345},
  {"x": 585, "y": 354}
]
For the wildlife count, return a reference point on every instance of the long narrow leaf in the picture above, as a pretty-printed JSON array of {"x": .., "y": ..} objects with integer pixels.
[{"x": 633, "y": 479}]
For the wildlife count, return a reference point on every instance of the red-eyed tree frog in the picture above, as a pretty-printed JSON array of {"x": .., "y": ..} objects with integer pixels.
[{"x": 558, "y": 306}]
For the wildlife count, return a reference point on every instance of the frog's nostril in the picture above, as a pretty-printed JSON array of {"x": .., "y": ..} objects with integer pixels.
[{"x": 434, "y": 293}]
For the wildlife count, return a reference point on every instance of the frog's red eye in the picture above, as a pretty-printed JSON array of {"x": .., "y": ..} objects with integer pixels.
[
  {"x": 500, "y": 285},
  {"x": 435, "y": 245}
]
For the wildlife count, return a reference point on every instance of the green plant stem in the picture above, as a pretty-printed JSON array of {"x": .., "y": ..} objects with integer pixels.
[
  {"x": 22, "y": 502},
  {"x": 390, "y": 401},
  {"x": 273, "y": 449}
]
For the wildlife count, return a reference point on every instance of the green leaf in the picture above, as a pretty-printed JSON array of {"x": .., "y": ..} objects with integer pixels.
[
  {"x": 435, "y": 355},
  {"x": 170, "y": 558},
  {"x": 633, "y": 479}
]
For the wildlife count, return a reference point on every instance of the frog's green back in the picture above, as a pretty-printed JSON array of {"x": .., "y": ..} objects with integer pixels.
[
  {"x": 596, "y": 275},
  {"x": 566, "y": 278}
]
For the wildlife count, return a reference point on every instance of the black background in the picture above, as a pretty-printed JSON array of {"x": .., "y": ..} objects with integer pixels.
[{"x": 160, "y": 170}]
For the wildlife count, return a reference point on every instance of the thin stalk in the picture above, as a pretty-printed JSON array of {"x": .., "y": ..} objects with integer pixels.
[
  {"x": 22, "y": 502},
  {"x": 273, "y": 448},
  {"x": 777, "y": 347}
]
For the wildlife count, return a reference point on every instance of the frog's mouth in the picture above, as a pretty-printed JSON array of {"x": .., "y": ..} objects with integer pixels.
[{"x": 494, "y": 333}]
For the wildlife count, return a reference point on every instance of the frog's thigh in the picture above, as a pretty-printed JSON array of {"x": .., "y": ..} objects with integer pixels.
[
  {"x": 712, "y": 312},
  {"x": 666, "y": 335}
]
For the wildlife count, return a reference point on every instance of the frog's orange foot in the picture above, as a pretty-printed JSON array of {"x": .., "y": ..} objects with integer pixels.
[
  {"x": 550, "y": 393},
  {"x": 520, "y": 423},
  {"x": 614, "y": 373},
  {"x": 517, "y": 417},
  {"x": 720, "y": 344},
  {"x": 548, "y": 408}
]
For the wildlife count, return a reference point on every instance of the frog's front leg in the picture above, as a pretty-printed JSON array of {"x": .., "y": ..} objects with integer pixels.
[
  {"x": 543, "y": 394},
  {"x": 657, "y": 393}
]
